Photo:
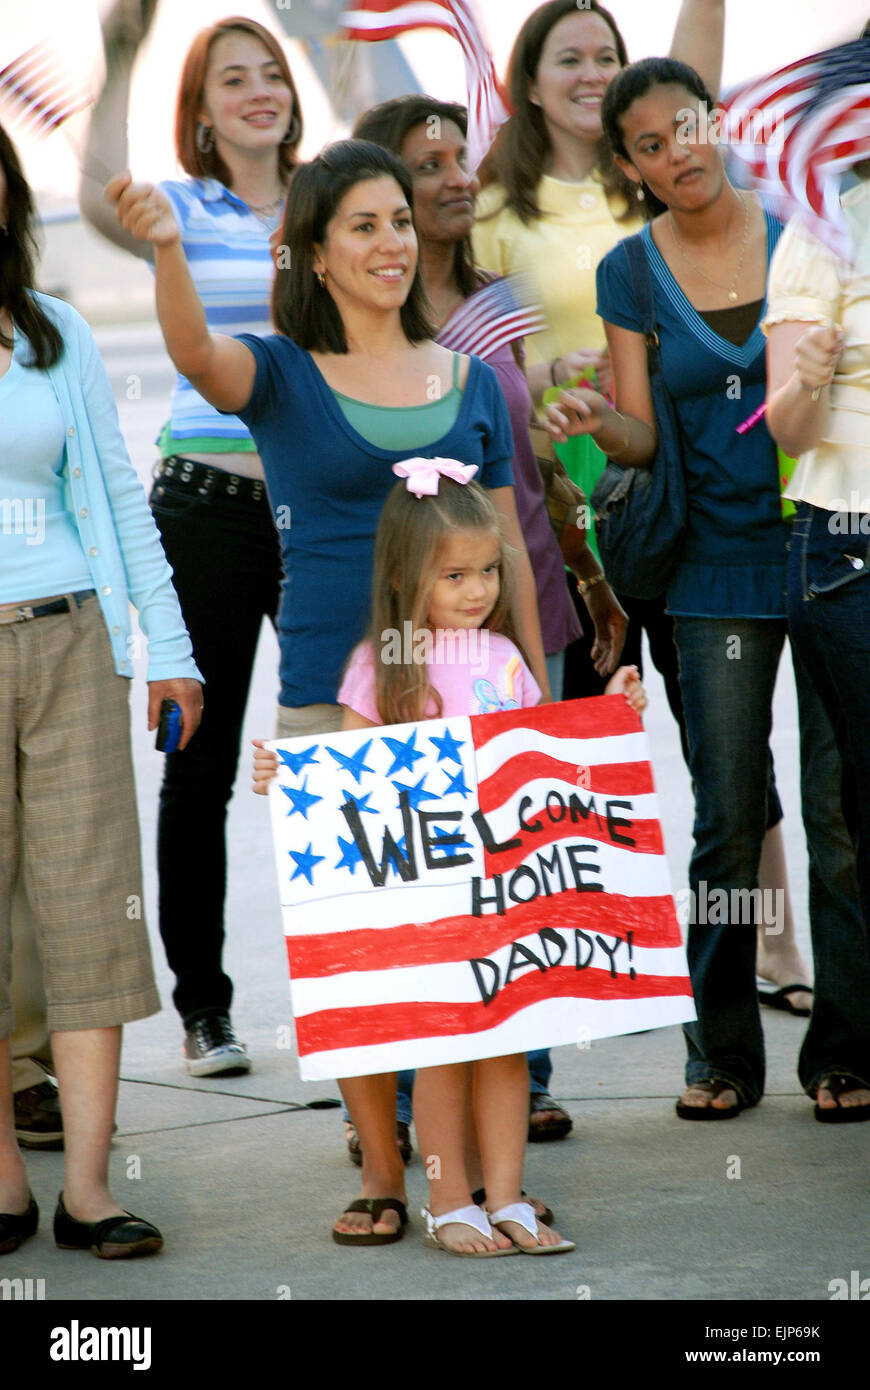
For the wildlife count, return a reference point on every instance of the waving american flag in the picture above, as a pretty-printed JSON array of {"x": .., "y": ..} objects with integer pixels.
[
  {"x": 36, "y": 92},
  {"x": 799, "y": 128},
  {"x": 371, "y": 20}
]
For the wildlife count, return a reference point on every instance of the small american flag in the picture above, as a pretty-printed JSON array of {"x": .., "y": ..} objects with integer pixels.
[
  {"x": 494, "y": 315},
  {"x": 799, "y": 128},
  {"x": 474, "y": 886},
  {"x": 371, "y": 20},
  {"x": 37, "y": 93}
]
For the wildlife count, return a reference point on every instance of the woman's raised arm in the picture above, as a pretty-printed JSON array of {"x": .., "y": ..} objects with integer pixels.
[
  {"x": 124, "y": 28},
  {"x": 221, "y": 369},
  {"x": 699, "y": 39}
]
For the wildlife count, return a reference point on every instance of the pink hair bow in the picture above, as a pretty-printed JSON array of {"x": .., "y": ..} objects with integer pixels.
[{"x": 423, "y": 474}]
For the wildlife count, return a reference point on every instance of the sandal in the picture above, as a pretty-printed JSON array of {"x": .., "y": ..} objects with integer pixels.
[
  {"x": 375, "y": 1206},
  {"x": 556, "y": 1127},
  {"x": 713, "y": 1088},
  {"x": 354, "y": 1148},
  {"x": 779, "y": 998},
  {"x": 840, "y": 1084},
  {"x": 463, "y": 1216},
  {"x": 523, "y": 1214},
  {"x": 545, "y": 1217}
]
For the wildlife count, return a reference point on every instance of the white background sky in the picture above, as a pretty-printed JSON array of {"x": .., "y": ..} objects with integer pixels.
[{"x": 761, "y": 34}]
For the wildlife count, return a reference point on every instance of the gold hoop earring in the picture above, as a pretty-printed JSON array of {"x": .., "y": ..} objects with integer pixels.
[{"x": 320, "y": 278}]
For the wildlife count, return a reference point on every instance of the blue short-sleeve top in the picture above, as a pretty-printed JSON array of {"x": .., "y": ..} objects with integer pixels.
[
  {"x": 327, "y": 486},
  {"x": 733, "y": 564}
]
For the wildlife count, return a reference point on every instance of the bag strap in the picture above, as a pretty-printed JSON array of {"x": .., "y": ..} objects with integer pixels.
[{"x": 642, "y": 285}]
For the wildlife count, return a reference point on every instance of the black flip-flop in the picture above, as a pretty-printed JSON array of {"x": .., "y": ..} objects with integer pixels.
[
  {"x": 714, "y": 1087},
  {"x": 375, "y": 1206},
  {"x": 779, "y": 998},
  {"x": 838, "y": 1084}
]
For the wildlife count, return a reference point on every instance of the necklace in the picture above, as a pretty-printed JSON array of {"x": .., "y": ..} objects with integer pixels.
[
  {"x": 732, "y": 288},
  {"x": 264, "y": 210}
]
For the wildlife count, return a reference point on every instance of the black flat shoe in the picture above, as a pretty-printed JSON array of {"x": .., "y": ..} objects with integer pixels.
[
  {"x": 15, "y": 1229},
  {"x": 116, "y": 1238}
]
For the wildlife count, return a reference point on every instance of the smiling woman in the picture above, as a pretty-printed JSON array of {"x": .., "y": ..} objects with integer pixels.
[
  {"x": 350, "y": 384},
  {"x": 238, "y": 127}
]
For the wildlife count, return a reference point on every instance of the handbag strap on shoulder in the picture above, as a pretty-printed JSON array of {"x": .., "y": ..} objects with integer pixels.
[{"x": 642, "y": 285}]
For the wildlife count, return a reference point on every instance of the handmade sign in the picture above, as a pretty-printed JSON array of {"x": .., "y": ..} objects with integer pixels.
[{"x": 471, "y": 887}]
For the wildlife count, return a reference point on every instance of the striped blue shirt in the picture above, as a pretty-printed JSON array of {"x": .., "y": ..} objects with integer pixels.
[{"x": 227, "y": 251}]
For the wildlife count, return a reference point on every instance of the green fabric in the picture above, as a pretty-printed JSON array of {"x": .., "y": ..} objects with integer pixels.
[
  {"x": 786, "y": 468},
  {"x": 169, "y": 446},
  {"x": 584, "y": 462},
  {"x": 401, "y": 426}
]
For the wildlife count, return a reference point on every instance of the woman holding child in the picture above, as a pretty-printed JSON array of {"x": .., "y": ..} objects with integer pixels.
[{"x": 350, "y": 384}]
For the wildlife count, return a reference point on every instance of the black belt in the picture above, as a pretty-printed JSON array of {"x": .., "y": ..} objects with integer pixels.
[
  {"x": 23, "y": 612},
  {"x": 205, "y": 481}
]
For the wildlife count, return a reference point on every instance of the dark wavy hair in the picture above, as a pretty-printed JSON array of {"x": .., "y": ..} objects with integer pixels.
[
  {"x": 388, "y": 123},
  {"x": 301, "y": 309},
  {"x": 521, "y": 148},
  {"x": 18, "y": 255},
  {"x": 634, "y": 82}
]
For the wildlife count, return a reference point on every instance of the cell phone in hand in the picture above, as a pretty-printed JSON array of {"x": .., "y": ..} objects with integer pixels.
[{"x": 169, "y": 727}]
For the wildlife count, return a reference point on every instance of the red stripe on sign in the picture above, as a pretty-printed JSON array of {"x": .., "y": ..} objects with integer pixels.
[
  {"x": 600, "y": 716},
  {"x": 652, "y": 921},
  {"x": 616, "y": 779},
  {"x": 370, "y": 1024},
  {"x": 646, "y": 834}
]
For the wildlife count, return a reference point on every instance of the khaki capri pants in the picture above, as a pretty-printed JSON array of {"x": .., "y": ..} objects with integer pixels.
[{"x": 66, "y": 764}]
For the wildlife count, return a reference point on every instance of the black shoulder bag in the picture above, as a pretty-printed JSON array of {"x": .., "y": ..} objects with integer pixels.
[{"x": 641, "y": 513}]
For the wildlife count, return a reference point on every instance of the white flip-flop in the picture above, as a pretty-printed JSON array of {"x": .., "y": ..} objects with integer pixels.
[
  {"x": 463, "y": 1216},
  {"x": 523, "y": 1213}
]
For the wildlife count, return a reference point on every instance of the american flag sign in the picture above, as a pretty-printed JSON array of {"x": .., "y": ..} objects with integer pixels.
[
  {"x": 796, "y": 130},
  {"x": 371, "y": 20},
  {"x": 473, "y": 887}
]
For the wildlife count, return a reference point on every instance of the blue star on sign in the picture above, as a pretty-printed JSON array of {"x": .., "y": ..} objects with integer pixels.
[
  {"x": 404, "y": 753},
  {"x": 456, "y": 784},
  {"x": 449, "y": 851},
  {"x": 296, "y": 761},
  {"x": 416, "y": 794},
  {"x": 448, "y": 746},
  {"x": 354, "y": 763},
  {"x": 350, "y": 855},
  {"x": 360, "y": 802},
  {"x": 305, "y": 862},
  {"x": 301, "y": 799}
]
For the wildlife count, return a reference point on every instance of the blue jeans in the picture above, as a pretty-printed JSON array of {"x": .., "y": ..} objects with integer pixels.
[
  {"x": 404, "y": 1093},
  {"x": 829, "y": 619},
  {"x": 727, "y": 676}
]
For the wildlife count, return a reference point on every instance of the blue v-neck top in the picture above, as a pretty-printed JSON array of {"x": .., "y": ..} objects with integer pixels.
[
  {"x": 733, "y": 564},
  {"x": 327, "y": 485}
]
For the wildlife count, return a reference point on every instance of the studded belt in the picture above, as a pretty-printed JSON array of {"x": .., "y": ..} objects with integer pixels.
[{"x": 205, "y": 481}]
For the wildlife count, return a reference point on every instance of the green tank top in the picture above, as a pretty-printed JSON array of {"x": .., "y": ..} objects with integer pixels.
[{"x": 403, "y": 426}]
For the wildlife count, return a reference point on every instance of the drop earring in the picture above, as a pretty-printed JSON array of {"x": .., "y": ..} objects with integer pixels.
[
  {"x": 639, "y": 194},
  {"x": 320, "y": 278}
]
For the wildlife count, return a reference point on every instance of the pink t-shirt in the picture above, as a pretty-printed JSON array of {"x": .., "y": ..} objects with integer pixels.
[{"x": 475, "y": 671}]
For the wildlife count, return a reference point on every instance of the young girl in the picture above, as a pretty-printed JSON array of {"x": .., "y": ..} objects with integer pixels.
[{"x": 441, "y": 565}]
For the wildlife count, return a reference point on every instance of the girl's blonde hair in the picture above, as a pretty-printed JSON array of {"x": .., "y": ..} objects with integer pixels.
[{"x": 409, "y": 538}]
